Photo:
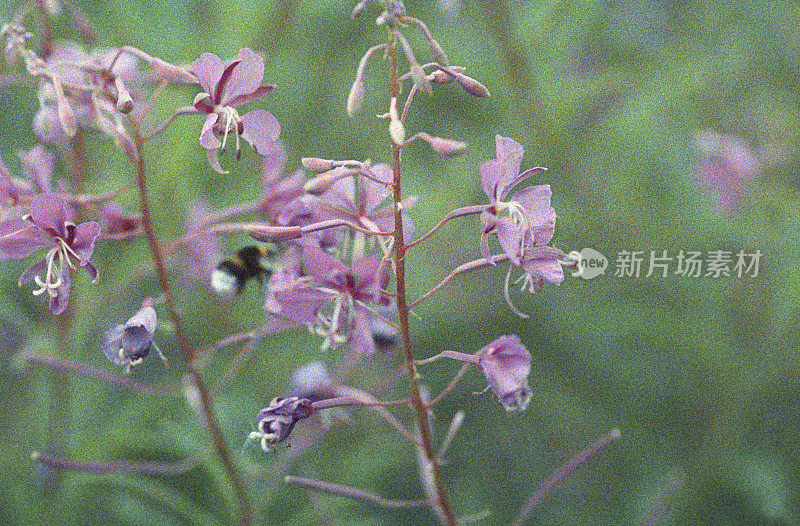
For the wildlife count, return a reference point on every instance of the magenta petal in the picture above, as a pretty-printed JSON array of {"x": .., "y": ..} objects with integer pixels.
[
  {"x": 48, "y": 211},
  {"x": 490, "y": 177},
  {"x": 548, "y": 270},
  {"x": 261, "y": 130},
  {"x": 374, "y": 193},
  {"x": 23, "y": 242},
  {"x": 323, "y": 267},
  {"x": 91, "y": 270},
  {"x": 509, "y": 157},
  {"x": 365, "y": 270},
  {"x": 208, "y": 70},
  {"x": 510, "y": 236},
  {"x": 301, "y": 304},
  {"x": 85, "y": 235},
  {"x": 59, "y": 304},
  {"x": 249, "y": 97},
  {"x": 536, "y": 201},
  {"x": 38, "y": 165},
  {"x": 361, "y": 339},
  {"x": 274, "y": 164},
  {"x": 34, "y": 270},
  {"x": 246, "y": 78},
  {"x": 213, "y": 160},
  {"x": 207, "y": 137}
]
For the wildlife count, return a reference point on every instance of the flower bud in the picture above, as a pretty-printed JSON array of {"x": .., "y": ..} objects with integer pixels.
[
  {"x": 66, "y": 115},
  {"x": 124, "y": 99},
  {"x": 442, "y": 77},
  {"x": 172, "y": 73},
  {"x": 396, "y": 128},
  {"x": 472, "y": 86},
  {"x": 323, "y": 181},
  {"x": 276, "y": 421},
  {"x": 418, "y": 74},
  {"x": 129, "y": 344},
  {"x": 445, "y": 147},
  {"x": 356, "y": 96},
  {"x": 317, "y": 165}
]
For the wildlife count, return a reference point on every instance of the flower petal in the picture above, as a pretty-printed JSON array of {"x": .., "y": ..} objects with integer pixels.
[
  {"x": 33, "y": 270},
  {"x": 58, "y": 304},
  {"x": 23, "y": 242},
  {"x": 49, "y": 212},
  {"x": 325, "y": 269},
  {"x": 261, "y": 130},
  {"x": 536, "y": 201},
  {"x": 302, "y": 303},
  {"x": 510, "y": 235},
  {"x": 208, "y": 70},
  {"x": 207, "y": 137},
  {"x": 249, "y": 97},
  {"x": 85, "y": 235},
  {"x": 246, "y": 78},
  {"x": 361, "y": 339}
]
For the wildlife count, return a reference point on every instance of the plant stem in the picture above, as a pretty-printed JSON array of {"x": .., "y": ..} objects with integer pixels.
[
  {"x": 420, "y": 409},
  {"x": 245, "y": 513}
]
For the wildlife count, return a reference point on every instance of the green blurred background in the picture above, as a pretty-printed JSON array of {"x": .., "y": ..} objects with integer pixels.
[{"x": 700, "y": 374}]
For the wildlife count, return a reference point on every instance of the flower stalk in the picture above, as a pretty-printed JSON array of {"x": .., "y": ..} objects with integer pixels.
[{"x": 420, "y": 409}]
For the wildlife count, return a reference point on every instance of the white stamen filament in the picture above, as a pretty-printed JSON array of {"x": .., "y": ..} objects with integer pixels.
[
  {"x": 49, "y": 284},
  {"x": 231, "y": 117}
]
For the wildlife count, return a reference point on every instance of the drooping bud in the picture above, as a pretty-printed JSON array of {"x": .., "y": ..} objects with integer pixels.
[
  {"x": 129, "y": 344},
  {"x": 323, "y": 181},
  {"x": 444, "y": 147},
  {"x": 276, "y": 421},
  {"x": 396, "y": 128},
  {"x": 359, "y": 7},
  {"x": 172, "y": 73},
  {"x": 418, "y": 74},
  {"x": 66, "y": 115},
  {"x": 472, "y": 86},
  {"x": 436, "y": 50},
  {"x": 317, "y": 165},
  {"x": 124, "y": 99},
  {"x": 441, "y": 77}
]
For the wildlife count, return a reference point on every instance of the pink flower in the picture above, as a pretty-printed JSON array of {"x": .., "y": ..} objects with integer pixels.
[
  {"x": 530, "y": 220},
  {"x": 227, "y": 86},
  {"x": 48, "y": 225},
  {"x": 329, "y": 281},
  {"x": 507, "y": 364}
]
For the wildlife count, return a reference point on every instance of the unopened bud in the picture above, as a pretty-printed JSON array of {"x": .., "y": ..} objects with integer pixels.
[
  {"x": 275, "y": 422},
  {"x": 323, "y": 181},
  {"x": 356, "y": 96},
  {"x": 445, "y": 147},
  {"x": 65, "y": 114},
  {"x": 396, "y": 128},
  {"x": 172, "y": 73},
  {"x": 472, "y": 86},
  {"x": 317, "y": 165},
  {"x": 124, "y": 99},
  {"x": 359, "y": 8},
  {"x": 442, "y": 77}
]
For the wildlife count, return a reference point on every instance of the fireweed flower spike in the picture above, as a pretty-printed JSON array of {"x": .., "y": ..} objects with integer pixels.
[
  {"x": 228, "y": 86},
  {"x": 50, "y": 227},
  {"x": 276, "y": 421},
  {"x": 129, "y": 344},
  {"x": 507, "y": 364},
  {"x": 531, "y": 219}
]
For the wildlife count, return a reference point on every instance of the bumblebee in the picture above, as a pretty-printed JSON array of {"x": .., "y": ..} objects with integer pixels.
[{"x": 233, "y": 272}]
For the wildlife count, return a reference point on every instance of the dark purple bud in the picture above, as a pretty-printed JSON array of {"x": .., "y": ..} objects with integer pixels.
[{"x": 276, "y": 421}]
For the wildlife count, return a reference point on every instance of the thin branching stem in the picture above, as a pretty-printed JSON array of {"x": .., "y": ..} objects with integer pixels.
[
  {"x": 458, "y": 212},
  {"x": 206, "y": 403},
  {"x": 121, "y": 466},
  {"x": 472, "y": 265},
  {"x": 355, "y": 493},
  {"x": 443, "y": 502}
]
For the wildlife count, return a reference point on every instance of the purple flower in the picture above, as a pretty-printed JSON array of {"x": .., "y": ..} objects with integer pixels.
[
  {"x": 38, "y": 166},
  {"x": 301, "y": 298},
  {"x": 12, "y": 191},
  {"x": 312, "y": 381},
  {"x": 129, "y": 344},
  {"x": 507, "y": 364},
  {"x": 343, "y": 201},
  {"x": 48, "y": 225},
  {"x": 276, "y": 421},
  {"x": 530, "y": 220},
  {"x": 117, "y": 222},
  {"x": 727, "y": 169},
  {"x": 227, "y": 86},
  {"x": 203, "y": 251},
  {"x": 278, "y": 191}
]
